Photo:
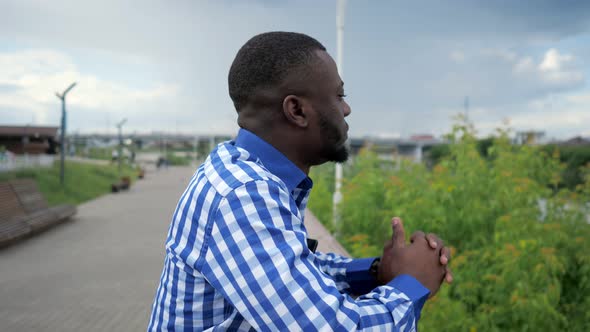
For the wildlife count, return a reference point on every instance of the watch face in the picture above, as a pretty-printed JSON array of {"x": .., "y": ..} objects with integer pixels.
[{"x": 374, "y": 270}]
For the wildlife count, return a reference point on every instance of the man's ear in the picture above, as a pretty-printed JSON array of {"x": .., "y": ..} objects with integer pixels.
[{"x": 296, "y": 110}]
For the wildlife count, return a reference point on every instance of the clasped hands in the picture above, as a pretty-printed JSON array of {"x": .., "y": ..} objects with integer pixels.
[{"x": 424, "y": 258}]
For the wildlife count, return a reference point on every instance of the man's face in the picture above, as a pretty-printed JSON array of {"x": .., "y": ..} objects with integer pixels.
[
  {"x": 334, "y": 140},
  {"x": 327, "y": 99}
]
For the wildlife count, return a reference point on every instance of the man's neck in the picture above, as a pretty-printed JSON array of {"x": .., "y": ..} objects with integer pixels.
[{"x": 289, "y": 145}]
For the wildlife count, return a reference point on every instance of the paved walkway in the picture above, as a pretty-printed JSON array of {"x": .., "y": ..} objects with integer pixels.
[{"x": 99, "y": 272}]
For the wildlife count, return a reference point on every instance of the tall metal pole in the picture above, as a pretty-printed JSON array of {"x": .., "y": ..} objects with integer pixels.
[
  {"x": 62, "y": 148},
  {"x": 165, "y": 151},
  {"x": 62, "y": 140},
  {"x": 337, "y": 198},
  {"x": 120, "y": 148}
]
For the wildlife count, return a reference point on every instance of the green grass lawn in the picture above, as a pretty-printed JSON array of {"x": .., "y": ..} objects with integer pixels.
[
  {"x": 100, "y": 153},
  {"x": 83, "y": 182}
]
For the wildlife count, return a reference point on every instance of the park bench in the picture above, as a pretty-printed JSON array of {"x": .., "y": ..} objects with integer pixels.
[
  {"x": 12, "y": 222},
  {"x": 124, "y": 184},
  {"x": 24, "y": 211}
]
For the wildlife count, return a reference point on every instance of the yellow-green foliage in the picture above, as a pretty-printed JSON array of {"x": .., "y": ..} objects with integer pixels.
[
  {"x": 320, "y": 200},
  {"x": 517, "y": 266},
  {"x": 83, "y": 182}
]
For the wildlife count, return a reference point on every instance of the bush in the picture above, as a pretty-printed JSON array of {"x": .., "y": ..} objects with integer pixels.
[
  {"x": 520, "y": 240},
  {"x": 575, "y": 158},
  {"x": 320, "y": 200}
]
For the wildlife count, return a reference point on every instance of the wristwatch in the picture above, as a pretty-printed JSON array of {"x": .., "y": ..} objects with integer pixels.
[{"x": 374, "y": 269}]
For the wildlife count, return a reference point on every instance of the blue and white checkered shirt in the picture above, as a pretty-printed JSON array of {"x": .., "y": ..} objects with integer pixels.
[{"x": 237, "y": 259}]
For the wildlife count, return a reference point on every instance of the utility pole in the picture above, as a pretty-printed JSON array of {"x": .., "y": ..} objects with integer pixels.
[
  {"x": 337, "y": 198},
  {"x": 62, "y": 148},
  {"x": 165, "y": 149},
  {"x": 120, "y": 148}
]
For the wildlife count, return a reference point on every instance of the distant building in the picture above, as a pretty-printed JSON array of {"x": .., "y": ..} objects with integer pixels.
[
  {"x": 423, "y": 137},
  {"x": 576, "y": 141},
  {"x": 530, "y": 137},
  {"x": 29, "y": 139},
  {"x": 396, "y": 148}
]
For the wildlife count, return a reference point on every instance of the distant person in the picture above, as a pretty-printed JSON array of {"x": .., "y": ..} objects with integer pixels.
[{"x": 237, "y": 257}]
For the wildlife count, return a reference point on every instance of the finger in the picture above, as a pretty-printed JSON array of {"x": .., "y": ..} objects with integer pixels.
[
  {"x": 399, "y": 234},
  {"x": 449, "y": 276},
  {"x": 417, "y": 235},
  {"x": 434, "y": 241},
  {"x": 445, "y": 255},
  {"x": 388, "y": 244}
]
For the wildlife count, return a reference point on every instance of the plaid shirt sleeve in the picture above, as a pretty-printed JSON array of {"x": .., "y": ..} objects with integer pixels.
[
  {"x": 351, "y": 276},
  {"x": 255, "y": 254}
]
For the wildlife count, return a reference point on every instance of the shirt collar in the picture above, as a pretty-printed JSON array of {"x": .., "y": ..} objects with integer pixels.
[{"x": 276, "y": 162}]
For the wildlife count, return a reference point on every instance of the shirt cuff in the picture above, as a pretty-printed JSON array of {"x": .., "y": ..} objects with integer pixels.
[
  {"x": 413, "y": 289},
  {"x": 358, "y": 276}
]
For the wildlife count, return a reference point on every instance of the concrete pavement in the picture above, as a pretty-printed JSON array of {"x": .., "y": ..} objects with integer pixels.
[{"x": 99, "y": 272}]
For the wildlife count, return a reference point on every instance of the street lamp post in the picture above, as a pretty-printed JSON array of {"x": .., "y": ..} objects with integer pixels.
[
  {"x": 120, "y": 149},
  {"x": 337, "y": 197},
  {"x": 62, "y": 148}
]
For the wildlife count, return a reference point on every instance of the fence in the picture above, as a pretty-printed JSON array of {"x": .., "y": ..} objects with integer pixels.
[{"x": 9, "y": 162}]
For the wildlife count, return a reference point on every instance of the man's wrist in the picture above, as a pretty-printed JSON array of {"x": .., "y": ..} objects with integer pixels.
[{"x": 374, "y": 269}]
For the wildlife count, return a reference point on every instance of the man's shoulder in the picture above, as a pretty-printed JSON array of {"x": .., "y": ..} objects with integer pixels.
[{"x": 229, "y": 167}]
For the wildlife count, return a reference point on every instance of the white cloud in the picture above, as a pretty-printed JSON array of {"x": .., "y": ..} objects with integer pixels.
[
  {"x": 562, "y": 116},
  {"x": 553, "y": 71},
  {"x": 503, "y": 54},
  {"x": 524, "y": 65},
  {"x": 541, "y": 120},
  {"x": 16, "y": 66},
  {"x": 559, "y": 68},
  {"x": 35, "y": 75},
  {"x": 457, "y": 56},
  {"x": 580, "y": 99},
  {"x": 553, "y": 61},
  {"x": 406, "y": 70}
]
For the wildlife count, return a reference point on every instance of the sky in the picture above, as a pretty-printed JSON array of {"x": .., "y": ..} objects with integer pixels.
[{"x": 408, "y": 66}]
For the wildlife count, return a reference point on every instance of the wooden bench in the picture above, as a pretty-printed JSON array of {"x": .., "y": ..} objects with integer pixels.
[
  {"x": 12, "y": 217},
  {"x": 123, "y": 185},
  {"x": 24, "y": 211}
]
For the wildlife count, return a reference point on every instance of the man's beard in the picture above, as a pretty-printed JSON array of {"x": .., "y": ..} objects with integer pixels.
[{"x": 331, "y": 136}]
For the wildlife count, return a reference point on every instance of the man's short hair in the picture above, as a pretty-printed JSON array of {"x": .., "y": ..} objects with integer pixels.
[{"x": 266, "y": 60}]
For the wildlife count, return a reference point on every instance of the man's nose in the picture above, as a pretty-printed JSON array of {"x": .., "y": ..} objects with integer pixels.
[{"x": 347, "y": 109}]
